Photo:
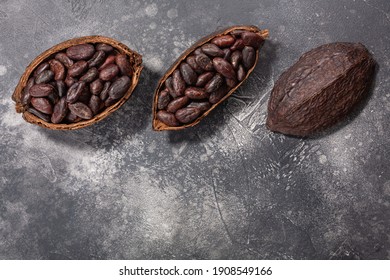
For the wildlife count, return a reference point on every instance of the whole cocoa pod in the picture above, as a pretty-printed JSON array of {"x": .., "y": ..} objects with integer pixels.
[
  {"x": 207, "y": 74},
  {"x": 321, "y": 88}
]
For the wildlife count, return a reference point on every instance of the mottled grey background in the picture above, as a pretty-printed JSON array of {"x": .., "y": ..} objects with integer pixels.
[{"x": 225, "y": 189}]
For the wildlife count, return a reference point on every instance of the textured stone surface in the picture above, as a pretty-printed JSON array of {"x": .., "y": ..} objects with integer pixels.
[{"x": 227, "y": 188}]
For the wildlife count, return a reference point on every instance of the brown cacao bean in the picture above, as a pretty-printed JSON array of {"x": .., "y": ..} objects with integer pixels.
[
  {"x": 238, "y": 45},
  {"x": 248, "y": 57},
  {"x": 223, "y": 41},
  {"x": 77, "y": 69},
  {"x": 178, "y": 83},
  {"x": 40, "y": 115},
  {"x": 215, "y": 83},
  {"x": 41, "y": 90},
  {"x": 109, "y": 72},
  {"x": 81, "y": 110},
  {"x": 69, "y": 81},
  {"x": 42, "y": 67},
  {"x": 44, "y": 77},
  {"x": 95, "y": 104},
  {"x": 119, "y": 87},
  {"x": 60, "y": 110},
  {"x": 163, "y": 99},
  {"x": 204, "y": 62},
  {"x": 42, "y": 105},
  {"x": 202, "y": 106},
  {"x": 217, "y": 95},
  {"x": 124, "y": 65},
  {"x": 80, "y": 52},
  {"x": 224, "y": 67},
  {"x": 104, "y": 47},
  {"x": 241, "y": 73},
  {"x": 196, "y": 93},
  {"x": 177, "y": 104},
  {"x": 64, "y": 59},
  {"x": 192, "y": 62},
  {"x": 187, "y": 115},
  {"x": 167, "y": 118},
  {"x": 61, "y": 88},
  {"x": 26, "y": 96},
  {"x": 104, "y": 93},
  {"x": 96, "y": 87},
  {"x": 91, "y": 75},
  {"x": 97, "y": 59},
  {"x": 109, "y": 60},
  {"x": 204, "y": 79},
  {"x": 212, "y": 50},
  {"x": 252, "y": 39},
  {"x": 236, "y": 59},
  {"x": 75, "y": 91},
  {"x": 58, "y": 69},
  {"x": 188, "y": 74}
]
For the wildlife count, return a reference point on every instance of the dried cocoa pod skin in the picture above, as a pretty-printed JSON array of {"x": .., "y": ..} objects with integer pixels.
[
  {"x": 42, "y": 105},
  {"x": 41, "y": 90},
  {"x": 81, "y": 110},
  {"x": 320, "y": 89},
  {"x": 187, "y": 115},
  {"x": 44, "y": 77},
  {"x": 210, "y": 59},
  {"x": 60, "y": 110},
  {"x": 64, "y": 59},
  {"x": 167, "y": 118},
  {"x": 80, "y": 52}
]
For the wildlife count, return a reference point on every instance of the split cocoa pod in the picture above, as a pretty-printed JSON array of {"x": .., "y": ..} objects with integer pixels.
[
  {"x": 320, "y": 89},
  {"x": 205, "y": 75},
  {"x": 77, "y": 83}
]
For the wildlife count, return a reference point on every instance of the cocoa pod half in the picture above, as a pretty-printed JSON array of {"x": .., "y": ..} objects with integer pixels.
[
  {"x": 206, "y": 73},
  {"x": 321, "y": 88},
  {"x": 80, "y": 50}
]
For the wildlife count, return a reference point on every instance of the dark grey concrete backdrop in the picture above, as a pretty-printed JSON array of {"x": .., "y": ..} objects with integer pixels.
[{"x": 227, "y": 188}]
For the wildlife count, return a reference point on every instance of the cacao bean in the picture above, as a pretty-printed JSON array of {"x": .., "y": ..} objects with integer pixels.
[
  {"x": 58, "y": 69},
  {"x": 80, "y": 52},
  {"x": 215, "y": 83},
  {"x": 119, "y": 87},
  {"x": 61, "y": 88},
  {"x": 42, "y": 105},
  {"x": 192, "y": 62},
  {"x": 104, "y": 47},
  {"x": 238, "y": 45},
  {"x": 109, "y": 72},
  {"x": 204, "y": 62},
  {"x": 187, "y": 115},
  {"x": 42, "y": 67},
  {"x": 202, "y": 106},
  {"x": 188, "y": 74},
  {"x": 44, "y": 77},
  {"x": 75, "y": 91},
  {"x": 224, "y": 41},
  {"x": 96, "y": 87},
  {"x": 212, "y": 50},
  {"x": 91, "y": 75},
  {"x": 195, "y": 93},
  {"x": 41, "y": 90},
  {"x": 64, "y": 59},
  {"x": 224, "y": 67},
  {"x": 95, "y": 104},
  {"x": 248, "y": 57},
  {"x": 167, "y": 118},
  {"x": 217, "y": 95},
  {"x": 204, "y": 79},
  {"x": 60, "y": 110},
  {"x": 80, "y": 67},
  {"x": 236, "y": 59},
  {"x": 251, "y": 39},
  {"x": 109, "y": 60},
  {"x": 40, "y": 115},
  {"x": 124, "y": 65},
  {"x": 177, "y": 104},
  {"x": 163, "y": 99},
  {"x": 26, "y": 96},
  {"x": 104, "y": 93},
  {"x": 81, "y": 110},
  {"x": 97, "y": 59},
  {"x": 241, "y": 73},
  {"x": 178, "y": 83}
]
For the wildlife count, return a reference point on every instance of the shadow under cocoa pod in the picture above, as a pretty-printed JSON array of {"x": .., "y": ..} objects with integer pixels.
[{"x": 117, "y": 51}]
